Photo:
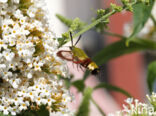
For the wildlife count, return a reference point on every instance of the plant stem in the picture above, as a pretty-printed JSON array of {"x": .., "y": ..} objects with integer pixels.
[
  {"x": 103, "y": 114},
  {"x": 88, "y": 27},
  {"x": 153, "y": 19}
]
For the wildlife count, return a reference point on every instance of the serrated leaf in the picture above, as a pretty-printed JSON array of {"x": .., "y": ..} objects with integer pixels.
[
  {"x": 79, "y": 84},
  {"x": 151, "y": 75},
  {"x": 84, "y": 106},
  {"x": 141, "y": 14},
  {"x": 112, "y": 88}
]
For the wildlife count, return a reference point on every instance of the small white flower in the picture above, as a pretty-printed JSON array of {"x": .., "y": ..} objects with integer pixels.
[
  {"x": 6, "y": 75},
  {"x": 32, "y": 95},
  {"x": 37, "y": 66},
  {"x": 13, "y": 111},
  {"x": 15, "y": 82},
  {"x": 5, "y": 24},
  {"x": 23, "y": 31},
  {"x": 38, "y": 100},
  {"x": 46, "y": 93},
  {"x": 31, "y": 12},
  {"x": 29, "y": 75},
  {"x": 129, "y": 100},
  {"x": 12, "y": 65},
  {"x": 5, "y": 109},
  {"x": 23, "y": 106},
  {"x": 50, "y": 100},
  {"x": 17, "y": 100},
  {"x": 12, "y": 42},
  {"x": 18, "y": 14},
  {"x": 2, "y": 44},
  {"x": 2, "y": 66},
  {"x": 8, "y": 55}
]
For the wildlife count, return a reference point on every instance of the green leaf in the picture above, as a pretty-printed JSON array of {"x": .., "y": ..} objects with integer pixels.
[
  {"x": 61, "y": 41},
  {"x": 74, "y": 25},
  {"x": 86, "y": 74},
  {"x": 141, "y": 14},
  {"x": 64, "y": 20},
  {"x": 119, "y": 48},
  {"x": 84, "y": 106},
  {"x": 79, "y": 84},
  {"x": 151, "y": 75},
  {"x": 112, "y": 88}
]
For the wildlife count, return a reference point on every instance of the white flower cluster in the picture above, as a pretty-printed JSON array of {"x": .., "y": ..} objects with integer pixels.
[
  {"x": 148, "y": 32},
  {"x": 152, "y": 99},
  {"x": 28, "y": 62},
  {"x": 136, "y": 108}
]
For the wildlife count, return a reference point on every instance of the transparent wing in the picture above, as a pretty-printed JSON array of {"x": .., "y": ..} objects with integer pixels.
[{"x": 66, "y": 55}]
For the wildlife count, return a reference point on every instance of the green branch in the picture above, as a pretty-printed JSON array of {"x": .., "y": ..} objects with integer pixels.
[{"x": 90, "y": 26}]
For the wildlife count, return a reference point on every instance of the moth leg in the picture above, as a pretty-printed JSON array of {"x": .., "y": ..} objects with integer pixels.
[{"x": 81, "y": 67}]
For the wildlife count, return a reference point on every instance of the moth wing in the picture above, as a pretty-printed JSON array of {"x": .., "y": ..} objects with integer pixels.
[{"x": 66, "y": 55}]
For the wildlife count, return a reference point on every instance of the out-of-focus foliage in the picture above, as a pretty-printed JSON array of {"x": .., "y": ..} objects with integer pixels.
[
  {"x": 141, "y": 14},
  {"x": 84, "y": 106}
]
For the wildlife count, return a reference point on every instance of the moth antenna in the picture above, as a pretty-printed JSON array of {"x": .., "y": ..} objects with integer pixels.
[
  {"x": 71, "y": 37},
  {"x": 78, "y": 40}
]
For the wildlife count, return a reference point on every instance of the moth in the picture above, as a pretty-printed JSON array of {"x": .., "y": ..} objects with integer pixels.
[{"x": 78, "y": 56}]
